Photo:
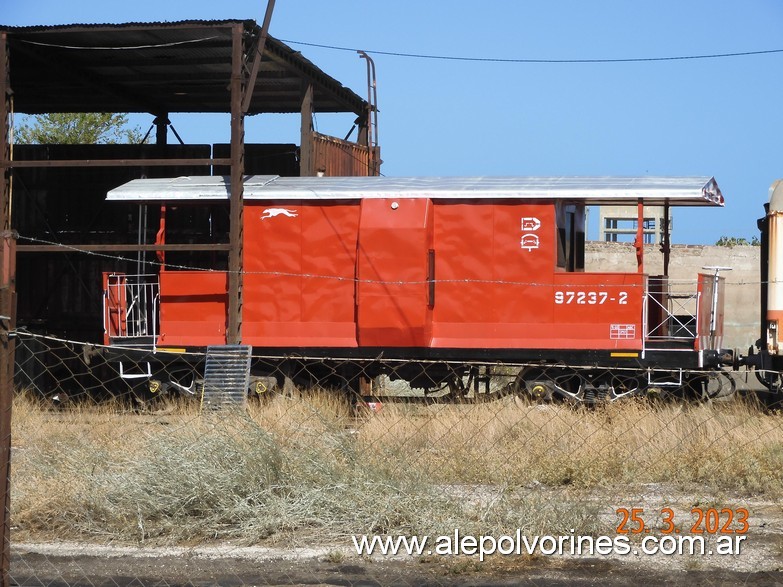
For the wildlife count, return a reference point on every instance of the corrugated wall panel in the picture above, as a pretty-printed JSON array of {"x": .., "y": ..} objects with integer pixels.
[{"x": 335, "y": 157}]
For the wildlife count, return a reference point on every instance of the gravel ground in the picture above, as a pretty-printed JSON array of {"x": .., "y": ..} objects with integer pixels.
[{"x": 760, "y": 561}]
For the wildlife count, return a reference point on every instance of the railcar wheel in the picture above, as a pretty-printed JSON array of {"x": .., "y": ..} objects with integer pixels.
[
  {"x": 534, "y": 383},
  {"x": 544, "y": 384},
  {"x": 262, "y": 387},
  {"x": 147, "y": 392}
]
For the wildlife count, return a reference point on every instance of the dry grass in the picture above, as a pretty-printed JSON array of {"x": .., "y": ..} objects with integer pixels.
[
  {"x": 303, "y": 468},
  {"x": 731, "y": 446}
]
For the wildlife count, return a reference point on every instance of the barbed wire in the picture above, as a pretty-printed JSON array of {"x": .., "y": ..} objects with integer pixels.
[
  {"x": 309, "y": 468},
  {"x": 154, "y": 263},
  {"x": 541, "y": 61},
  {"x": 119, "y": 47},
  {"x": 306, "y": 357}
]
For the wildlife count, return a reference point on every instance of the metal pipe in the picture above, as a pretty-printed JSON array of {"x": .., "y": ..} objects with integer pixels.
[
  {"x": 141, "y": 236},
  {"x": 176, "y": 134},
  {"x": 639, "y": 241},
  {"x": 665, "y": 244},
  {"x": 372, "y": 114}
]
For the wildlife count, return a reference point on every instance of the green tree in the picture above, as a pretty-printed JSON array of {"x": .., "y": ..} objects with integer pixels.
[
  {"x": 733, "y": 241},
  {"x": 76, "y": 129}
]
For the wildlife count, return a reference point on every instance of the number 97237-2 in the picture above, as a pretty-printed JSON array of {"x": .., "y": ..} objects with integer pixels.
[{"x": 591, "y": 298}]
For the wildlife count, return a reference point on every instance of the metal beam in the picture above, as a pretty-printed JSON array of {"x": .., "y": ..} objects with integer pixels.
[
  {"x": 124, "y": 248},
  {"x": 113, "y": 163},
  {"x": 340, "y": 95},
  {"x": 639, "y": 240},
  {"x": 235, "y": 254},
  {"x": 666, "y": 248},
  {"x": 259, "y": 53}
]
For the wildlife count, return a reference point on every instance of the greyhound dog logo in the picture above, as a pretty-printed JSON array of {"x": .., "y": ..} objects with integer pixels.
[{"x": 272, "y": 212}]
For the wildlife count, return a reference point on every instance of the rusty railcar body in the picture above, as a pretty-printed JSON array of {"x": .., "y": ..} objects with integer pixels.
[{"x": 447, "y": 272}]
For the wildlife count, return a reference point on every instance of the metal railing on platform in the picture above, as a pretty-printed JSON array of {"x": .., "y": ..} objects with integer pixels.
[{"x": 130, "y": 305}]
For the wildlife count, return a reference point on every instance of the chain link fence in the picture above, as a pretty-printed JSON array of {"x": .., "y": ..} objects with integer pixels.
[
  {"x": 134, "y": 466},
  {"x": 128, "y": 469}
]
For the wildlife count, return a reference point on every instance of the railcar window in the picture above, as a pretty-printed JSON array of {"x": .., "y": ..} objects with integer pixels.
[
  {"x": 197, "y": 224},
  {"x": 570, "y": 237},
  {"x": 623, "y": 230}
]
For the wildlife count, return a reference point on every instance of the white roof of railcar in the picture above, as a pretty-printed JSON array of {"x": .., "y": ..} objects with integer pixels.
[{"x": 678, "y": 191}]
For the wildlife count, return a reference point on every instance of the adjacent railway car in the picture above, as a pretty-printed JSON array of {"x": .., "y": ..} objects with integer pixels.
[
  {"x": 767, "y": 359},
  {"x": 458, "y": 275}
]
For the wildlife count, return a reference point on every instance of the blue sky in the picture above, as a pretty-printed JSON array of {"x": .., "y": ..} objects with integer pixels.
[{"x": 719, "y": 117}]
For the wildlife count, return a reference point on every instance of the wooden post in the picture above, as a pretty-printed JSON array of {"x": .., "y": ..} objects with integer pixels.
[
  {"x": 161, "y": 123},
  {"x": 7, "y": 325},
  {"x": 306, "y": 164},
  {"x": 5, "y": 144},
  {"x": 235, "y": 254},
  {"x": 7, "y": 313},
  {"x": 363, "y": 134}
]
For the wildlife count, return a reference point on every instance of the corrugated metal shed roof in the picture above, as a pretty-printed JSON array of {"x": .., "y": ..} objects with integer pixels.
[
  {"x": 682, "y": 191},
  {"x": 158, "y": 68}
]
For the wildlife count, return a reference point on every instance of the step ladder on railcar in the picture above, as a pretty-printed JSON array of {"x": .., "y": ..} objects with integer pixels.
[{"x": 226, "y": 377}]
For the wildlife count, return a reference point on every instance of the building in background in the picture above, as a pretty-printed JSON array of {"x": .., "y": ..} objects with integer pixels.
[{"x": 619, "y": 224}]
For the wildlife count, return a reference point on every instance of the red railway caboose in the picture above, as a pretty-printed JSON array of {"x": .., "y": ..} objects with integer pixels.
[{"x": 449, "y": 272}]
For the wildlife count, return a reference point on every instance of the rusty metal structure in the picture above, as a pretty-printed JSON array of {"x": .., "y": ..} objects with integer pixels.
[
  {"x": 51, "y": 195},
  {"x": 230, "y": 66}
]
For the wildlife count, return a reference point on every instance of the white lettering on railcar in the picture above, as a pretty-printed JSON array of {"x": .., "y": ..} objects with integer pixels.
[
  {"x": 622, "y": 331},
  {"x": 592, "y": 298}
]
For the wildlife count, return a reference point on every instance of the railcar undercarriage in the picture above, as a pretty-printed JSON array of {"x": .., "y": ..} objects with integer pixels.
[{"x": 432, "y": 380}]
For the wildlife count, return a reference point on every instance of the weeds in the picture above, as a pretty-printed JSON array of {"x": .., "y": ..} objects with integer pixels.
[{"x": 304, "y": 468}]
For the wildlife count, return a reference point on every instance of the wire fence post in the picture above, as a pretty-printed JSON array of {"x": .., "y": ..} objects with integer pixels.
[{"x": 7, "y": 325}]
